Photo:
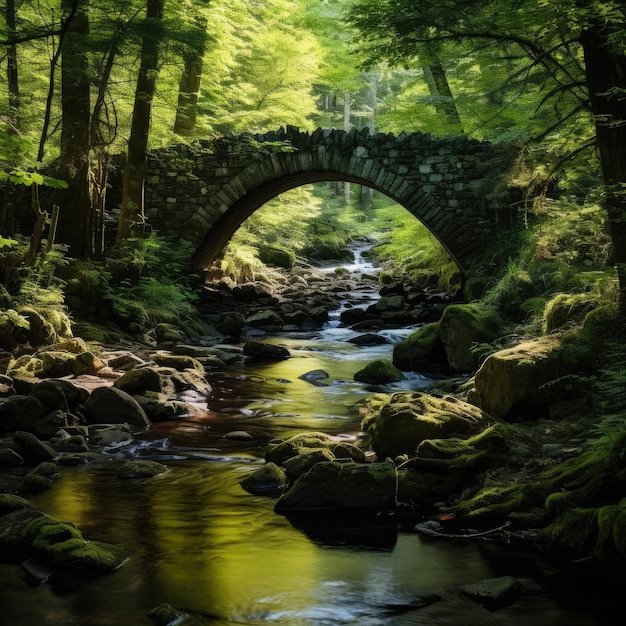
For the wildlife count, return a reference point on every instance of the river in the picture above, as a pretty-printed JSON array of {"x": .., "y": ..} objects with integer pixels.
[{"x": 198, "y": 541}]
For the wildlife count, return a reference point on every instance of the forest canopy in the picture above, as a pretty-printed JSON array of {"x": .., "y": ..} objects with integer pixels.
[{"x": 86, "y": 81}]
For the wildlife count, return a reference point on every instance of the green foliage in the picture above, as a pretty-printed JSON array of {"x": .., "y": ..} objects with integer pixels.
[
  {"x": 408, "y": 244},
  {"x": 147, "y": 283}
]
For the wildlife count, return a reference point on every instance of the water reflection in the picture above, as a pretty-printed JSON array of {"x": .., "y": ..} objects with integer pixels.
[{"x": 201, "y": 543}]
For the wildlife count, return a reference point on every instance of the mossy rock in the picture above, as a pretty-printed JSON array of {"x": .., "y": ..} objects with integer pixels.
[
  {"x": 305, "y": 460},
  {"x": 26, "y": 366},
  {"x": 268, "y": 480},
  {"x": 342, "y": 487},
  {"x": 493, "y": 505},
  {"x": 526, "y": 379},
  {"x": 398, "y": 423},
  {"x": 41, "y": 332},
  {"x": 421, "y": 351},
  {"x": 277, "y": 257},
  {"x": 461, "y": 327},
  {"x": 566, "y": 308},
  {"x": 281, "y": 452},
  {"x": 10, "y": 503},
  {"x": 179, "y": 362},
  {"x": 574, "y": 531},
  {"x": 379, "y": 372},
  {"x": 139, "y": 380},
  {"x": 140, "y": 469}
]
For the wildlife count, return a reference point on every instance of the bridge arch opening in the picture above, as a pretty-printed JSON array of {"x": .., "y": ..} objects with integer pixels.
[
  {"x": 315, "y": 204},
  {"x": 215, "y": 242}
]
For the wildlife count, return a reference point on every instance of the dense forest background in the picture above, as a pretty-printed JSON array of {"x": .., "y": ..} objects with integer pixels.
[{"x": 87, "y": 81}]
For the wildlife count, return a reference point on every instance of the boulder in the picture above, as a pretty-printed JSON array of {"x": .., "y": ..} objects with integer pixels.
[
  {"x": 231, "y": 324},
  {"x": 285, "y": 450},
  {"x": 32, "y": 449},
  {"x": 398, "y": 423},
  {"x": 369, "y": 339},
  {"x": 40, "y": 332},
  {"x": 26, "y": 366},
  {"x": 493, "y": 593},
  {"x": 108, "y": 405},
  {"x": 109, "y": 435},
  {"x": 59, "y": 394},
  {"x": 26, "y": 531},
  {"x": 305, "y": 460},
  {"x": 139, "y": 380},
  {"x": 265, "y": 351},
  {"x": 265, "y": 318},
  {"x": 179, "y": 362},
  {"x": 10, "y": 458},
  {"x": 314, "y": 377},
  {"x": 168, "y": 333},
  {"x": 268, "y": 480},
  {"x": 421, "y": 351},
  {"x": 523, "y": 380},
  {"x": 20, "y": 413},
  {"x": 379, "y": 372},
  {"x": 368, "y": 487},
  {"x": 462, "y": 326},
  {"x": 140, "y": 469}
]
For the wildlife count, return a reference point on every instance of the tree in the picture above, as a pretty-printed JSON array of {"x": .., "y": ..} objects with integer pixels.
[
  {"x": 74, "y": 227},
  {"x": 12, "y": 74},
  {"x": 131, "y": 218},
  {"x": 573, "y": 49},
  {"x": 190, "y": 80}
]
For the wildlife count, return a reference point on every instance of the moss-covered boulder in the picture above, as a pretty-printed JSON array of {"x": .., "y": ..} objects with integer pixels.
[
  {"x": 140, "y": 469},
  {"x": 27, "y": 532},
  {"x": 305, "y": 460},
  {"x": 285, "y": 450},
  {"x": 379, "y": 372},
  {"x": 421, "y": 351},
  {"x": 268, "y": 480},
  {"x": 139, "y": 380},
  {"x": 524, "y": 380},
  {"x": 14, "y": 329},
  {"x": 369, "y": 487},
  {"x": 398, "y": 423},
  {"x": 179, "y": 362},
  {"x": 565, "y": 308},
  {"x": 461, "y": 327}
]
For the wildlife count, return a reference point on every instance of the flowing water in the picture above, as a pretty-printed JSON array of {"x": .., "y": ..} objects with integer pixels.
[{"x": 199, "y": 542}]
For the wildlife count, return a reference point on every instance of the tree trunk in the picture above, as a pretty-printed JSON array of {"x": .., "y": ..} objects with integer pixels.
[
  {"x": 605, "y": 67},
  {"x": 189, "y": 88},
  {"x": 74, "y": 228},
  {"x": 131, "y": 220},
  {"x": 438, "y": 86},
  {"x": 12, "y": 75}
]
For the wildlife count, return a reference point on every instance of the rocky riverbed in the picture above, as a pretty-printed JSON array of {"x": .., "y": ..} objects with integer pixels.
[{"x": 494, "y": 449}]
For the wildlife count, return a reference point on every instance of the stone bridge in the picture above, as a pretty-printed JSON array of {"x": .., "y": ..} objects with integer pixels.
[{"x": 455, "y": 186}]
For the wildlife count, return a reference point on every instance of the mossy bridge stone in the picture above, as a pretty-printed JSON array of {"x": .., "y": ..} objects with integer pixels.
[{"x": 457, "y": 187}]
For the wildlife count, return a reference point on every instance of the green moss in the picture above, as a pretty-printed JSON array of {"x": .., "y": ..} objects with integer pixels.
[
  {"x": 576, "y": 529},
  {"x": 421, "y": 350},
  {"x": 379, "y": 372},
  {"x": 611, "y": 541},
  {"x": 10, "y": 502},
  {"x": 567, "y": 307},
  {"x": 492, "y": 505}
]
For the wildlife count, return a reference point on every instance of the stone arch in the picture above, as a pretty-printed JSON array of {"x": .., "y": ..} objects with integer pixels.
[
  {"x": 455, "y": 186},
  {"x": 243, "y": 207}
]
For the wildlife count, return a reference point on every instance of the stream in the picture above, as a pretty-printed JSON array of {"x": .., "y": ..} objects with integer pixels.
[{"x": 198, "y": 541}]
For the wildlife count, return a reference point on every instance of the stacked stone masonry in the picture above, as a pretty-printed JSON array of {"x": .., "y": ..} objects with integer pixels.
[{"x": 455, "y": 186}]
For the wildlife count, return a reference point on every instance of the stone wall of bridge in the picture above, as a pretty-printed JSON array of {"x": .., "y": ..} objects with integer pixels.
[{"x": 455, "y": 186}]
